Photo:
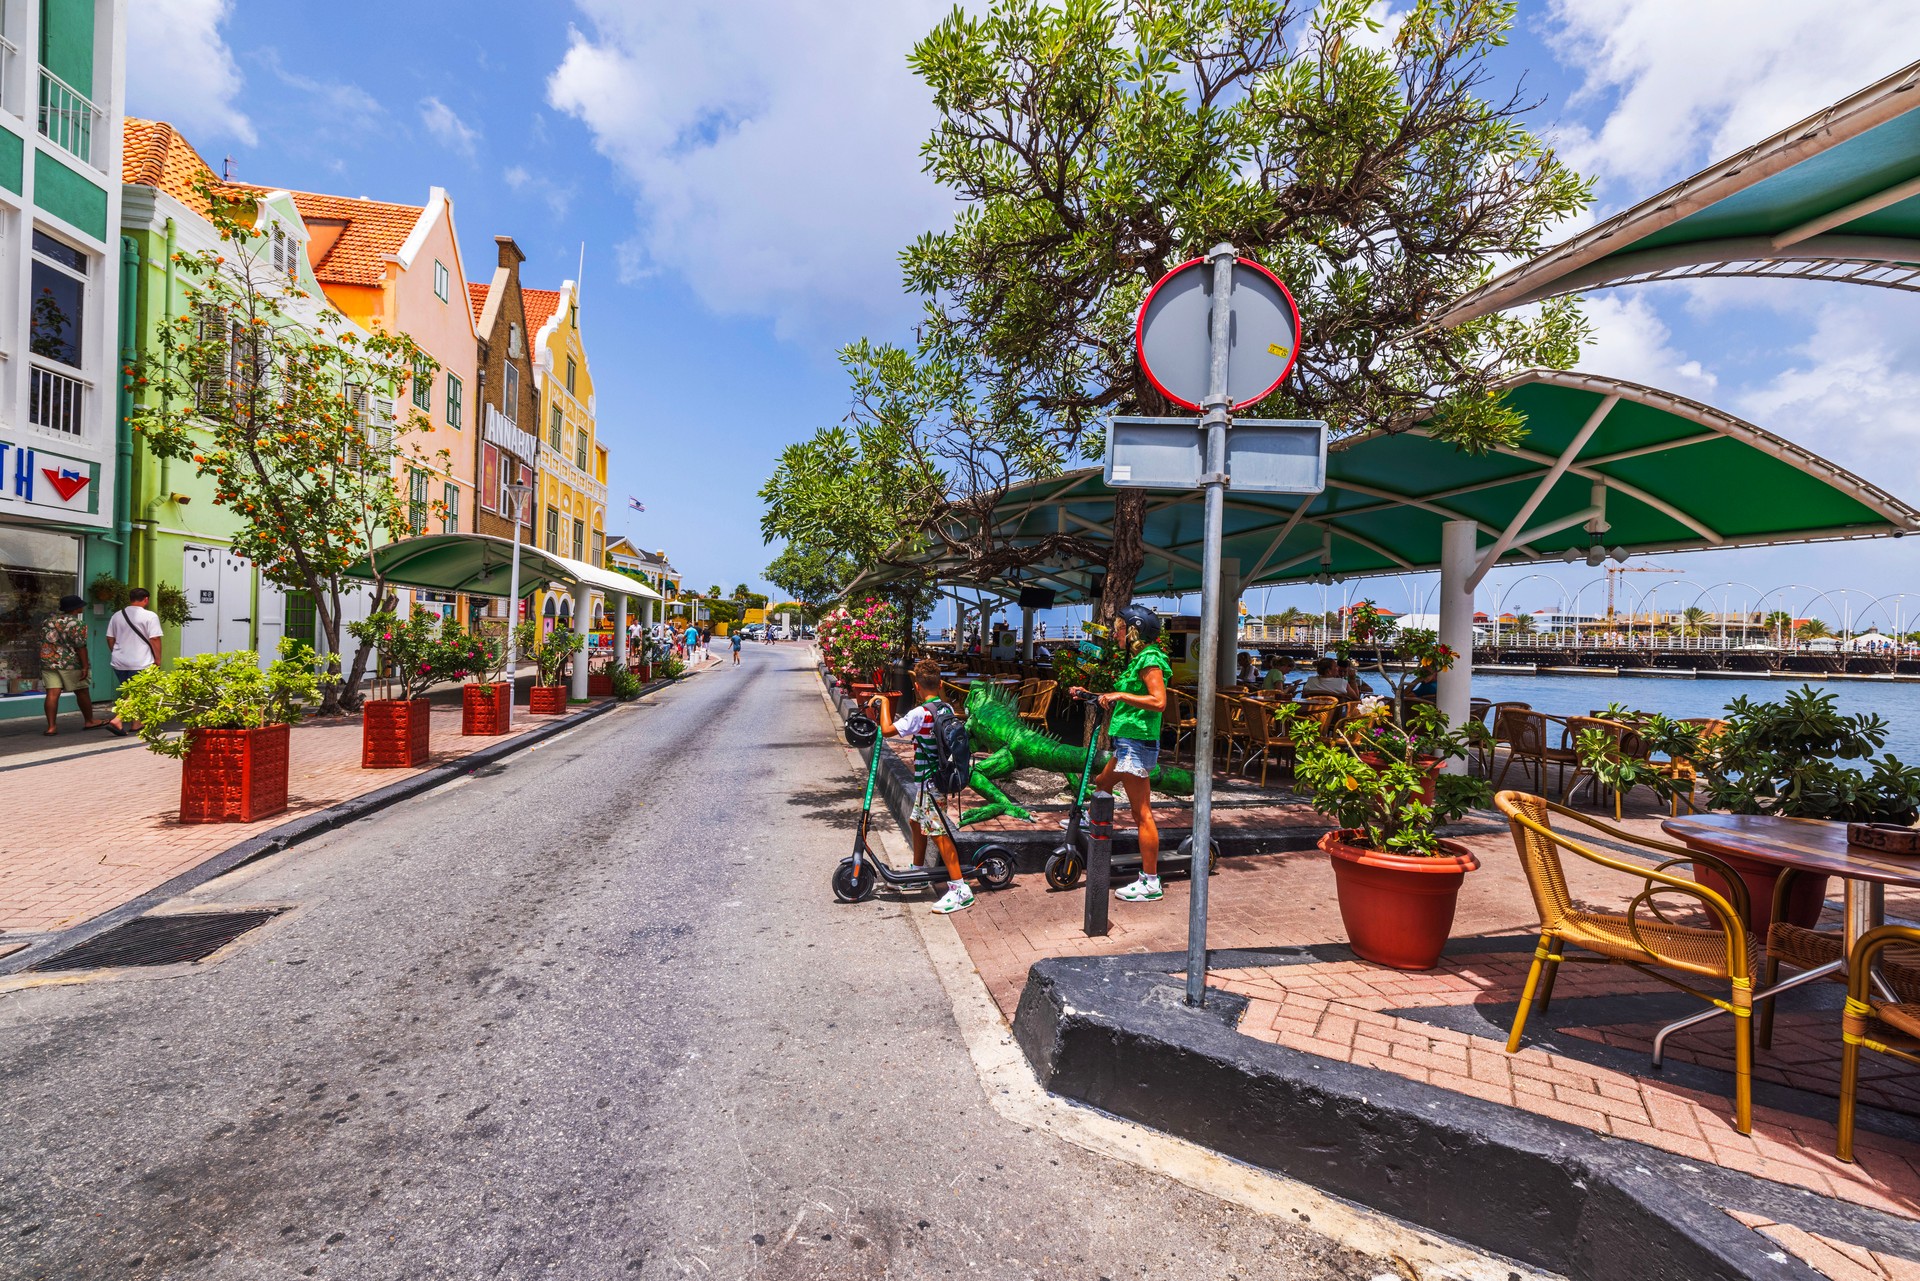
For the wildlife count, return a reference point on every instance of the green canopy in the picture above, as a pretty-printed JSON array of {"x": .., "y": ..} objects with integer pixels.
[
  {"x": 1606, "y": 467},
  {"x": 481, "y": 565},
  {"x": 1835, "y": 197}
]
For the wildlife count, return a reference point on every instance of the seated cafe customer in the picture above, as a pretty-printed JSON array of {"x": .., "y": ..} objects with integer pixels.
[{"x": 1326, "y": 680}]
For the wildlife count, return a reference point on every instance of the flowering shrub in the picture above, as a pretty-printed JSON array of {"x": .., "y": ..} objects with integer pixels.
[
  {"x": 1419, "y": 649},
  {"x": 1371, "y": 775},
  {"x": 855, "y": 640},
  {"x": 476, "y": 655},
  {"x": 411, "y": 652},
  {"x": 553, "y": 655}
]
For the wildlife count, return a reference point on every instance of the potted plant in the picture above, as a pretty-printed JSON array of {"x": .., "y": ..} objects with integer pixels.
[
  {"x": 626, "y": 684},
  {"x": 234, "y": 724},
  {"x": 395, "y": 731},
  {"x": 1784, "y": 758},
  {"x": 478, "y": 657},
  {"x": 600, "y": 674},
  {"x": 553, "y": 656},
  {"x": 1418, "y": 652},
  {"x": 1397, "y": 880},
  {"x": 854, "y": 644}
]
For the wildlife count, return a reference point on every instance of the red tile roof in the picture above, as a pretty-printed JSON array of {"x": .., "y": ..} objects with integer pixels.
[
  {"x": 540, "y": 304},
  {"x": 155, "y": 155},
  {"x": 364, "y": 234},
  {"x": 477, "y": 297}
]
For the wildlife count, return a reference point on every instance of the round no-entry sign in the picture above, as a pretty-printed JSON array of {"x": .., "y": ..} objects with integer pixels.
[{"x": 1172, "y": 334}]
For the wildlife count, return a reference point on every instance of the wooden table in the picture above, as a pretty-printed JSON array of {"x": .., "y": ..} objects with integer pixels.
[{"x": 1807, "y": 845}]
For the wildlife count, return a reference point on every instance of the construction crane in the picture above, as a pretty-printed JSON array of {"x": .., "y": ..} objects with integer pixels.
[{"x": 1631, "y": 569}]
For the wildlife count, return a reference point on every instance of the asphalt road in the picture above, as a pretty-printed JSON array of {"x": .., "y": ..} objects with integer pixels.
[{"x": 592, "y": 1013}]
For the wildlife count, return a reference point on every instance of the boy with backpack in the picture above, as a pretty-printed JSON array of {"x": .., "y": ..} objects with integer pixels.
[{"x": 938, "y": 735}]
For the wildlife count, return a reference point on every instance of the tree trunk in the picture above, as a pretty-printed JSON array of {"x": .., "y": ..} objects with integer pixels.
[
  {"x": 350, "y": 687},
  {"x": 1126, "y": 553}
]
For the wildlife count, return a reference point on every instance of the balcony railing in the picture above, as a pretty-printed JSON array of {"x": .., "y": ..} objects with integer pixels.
[
  {"x": 68, "y": 117},
  {"x": 56, "y": 402},
  {"x": 9, "y": 57}
]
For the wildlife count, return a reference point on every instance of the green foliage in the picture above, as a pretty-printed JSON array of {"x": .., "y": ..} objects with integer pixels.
[
  {"x": 1606, "y": 756},
  {"x": 107, "y": 590},
  {"x": 218, "y": 691},
  {"x": 814, "y": 575},
  {"x": 1370, "y": 777},
  {"x": 552, "y": 654},
  {"x": 626, "y": 685},
  {"x": 1095, "y": 664},
  {"x": 413, "y": 654},
  {"x": 670, "y": 669},
  {"x": 170, "y": 603},
  {"x": 477, "y": 655},
  {"x": 1783, "y": 758}
]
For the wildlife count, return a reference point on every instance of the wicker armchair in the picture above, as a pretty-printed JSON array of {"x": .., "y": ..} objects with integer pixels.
[
  {"x": 1181, "y": 719},
  {"x": 1623, "y": 739},
  {"x": 1817, "y": 954},
  {"x": 1650, "y": 943},
  {"x": 1268, "y": 735},
  {"x": 1525, "y": 732},
  {"x": 1890, "y": 1027},
  {"x": 1036, "y": 698}
]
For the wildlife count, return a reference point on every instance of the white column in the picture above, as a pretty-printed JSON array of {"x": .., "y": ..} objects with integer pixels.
[
  {"x": 1026, "y": 635},
  {"x": 1457, "y": 555},
  {"x": 583, "y": 624},
  {"x": 1229, "y": 622},
  {"x": 620, "y": 630}
]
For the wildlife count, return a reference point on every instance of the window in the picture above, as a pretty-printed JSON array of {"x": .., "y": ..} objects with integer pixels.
[
  {"x": 556, "y": 427},
  {"x": 302, "y": 620},
  {"x": 441, "y": 281},
  {"x": 553, "y": 530},
  {"x": 513, "y": 340},
  {"x": 286, "y": 253},
  {"x": 453, "y": 402},
  {"x": 422, "y": 385},
  {"x": 579, "y": 540},
  {"x": 36, "y": 570},
  {"x": 490, "y": 479},
  {"x": 417, "y": 501},
  {"x": 599, "y": 547},
  {"x": 510, "y": 401},
  {"x": 450, "y": 515},
  {"x": 580, "y": 449},
  {"x": 58, "y": 321},
  {"x": 571, "y": 370}
]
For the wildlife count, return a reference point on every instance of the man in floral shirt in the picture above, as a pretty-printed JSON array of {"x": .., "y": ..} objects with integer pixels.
[{"x": 64, "y": 664}]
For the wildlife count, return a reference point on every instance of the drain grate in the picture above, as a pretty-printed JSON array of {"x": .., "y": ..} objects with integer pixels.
[{"x": 160, "y": 940}]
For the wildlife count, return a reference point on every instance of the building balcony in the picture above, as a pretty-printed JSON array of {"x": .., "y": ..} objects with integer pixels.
[
  {"x": 56, "y": 401},
  {"x": 68, "y": 118}
]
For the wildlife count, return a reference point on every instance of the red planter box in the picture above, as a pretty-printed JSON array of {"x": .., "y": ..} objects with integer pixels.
[
  {"x": 486, "y": 709},
  {"x": 394, "y": 733},
  {"x": 547, "y": 700},
  {"x": 234, "y": 775},
  {"x": 599, "y": 684},
  {"x": 646, "y": 672}
]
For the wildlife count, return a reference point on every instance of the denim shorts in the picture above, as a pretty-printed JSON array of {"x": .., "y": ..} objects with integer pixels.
[{"x": 1135, "y": 756}]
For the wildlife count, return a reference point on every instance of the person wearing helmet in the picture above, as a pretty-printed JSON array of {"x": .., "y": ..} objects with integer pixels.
[{"x": 1138, "y": 699}]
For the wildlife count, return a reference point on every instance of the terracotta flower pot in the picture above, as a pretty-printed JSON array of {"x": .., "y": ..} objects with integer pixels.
[
  {"x": 394, "y": 733},
  {"x": 599, "y": 684},
  {"x": 486, "y": 708},
  {"x": 547, "y": 700},
  {"x": 234, "y": 775},
  {"x": 1398, "y": 910},
  {"x": 1805, "y": 900},
  {"x": 646, "y": 672}
]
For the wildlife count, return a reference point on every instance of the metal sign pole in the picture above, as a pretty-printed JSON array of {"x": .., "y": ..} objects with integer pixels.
[{"x": 1213, "y": 480}]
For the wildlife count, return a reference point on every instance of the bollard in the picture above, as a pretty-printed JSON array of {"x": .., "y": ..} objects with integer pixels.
[{"x": 1093, "y": 919}]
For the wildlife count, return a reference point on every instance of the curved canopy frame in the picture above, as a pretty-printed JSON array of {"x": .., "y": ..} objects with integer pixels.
[
  {"x": 1834, "y": 197},
  {"x": 481, "y": 565},
  {"x": 1605, "y": 463}
]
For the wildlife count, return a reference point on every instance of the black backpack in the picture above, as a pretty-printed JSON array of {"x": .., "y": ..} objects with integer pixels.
[{"x": 952, "y": 752}]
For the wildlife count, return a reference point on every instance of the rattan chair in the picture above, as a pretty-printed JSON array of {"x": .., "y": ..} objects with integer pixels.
[
  {"x": 1229, "y": 726},
  {"x": 1643, "y": 937},
  {"x": 1036, "y": 698},
  {"x": 1181, "y": 720},
  {"x": 1524, "y": 733},
  {"x": 1268, "y": 736},
  {"x": 1816, "y": 954},
  {"x": 1890, "y": 1027},
  {"x": 1679, "y": 769},
  {"x": 1623, "y": 739}
]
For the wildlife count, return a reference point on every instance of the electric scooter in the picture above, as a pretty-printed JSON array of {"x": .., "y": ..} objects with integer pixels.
[
  {"x": 1069, "y": 859},
  {"x": 859, "y": 874}
]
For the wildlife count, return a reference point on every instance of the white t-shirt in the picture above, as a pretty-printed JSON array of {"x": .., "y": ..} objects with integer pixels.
[{"x": 128, "y": 636}]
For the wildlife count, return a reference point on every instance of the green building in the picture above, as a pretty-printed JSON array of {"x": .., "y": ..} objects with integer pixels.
[{"x": 62, "y": 442}]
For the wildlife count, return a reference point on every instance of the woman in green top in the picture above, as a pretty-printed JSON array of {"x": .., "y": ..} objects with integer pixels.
[{"x": 1138, "y": 699}]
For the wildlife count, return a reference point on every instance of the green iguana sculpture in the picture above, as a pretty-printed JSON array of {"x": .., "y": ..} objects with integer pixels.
[{"x": 1010, "y": 744}]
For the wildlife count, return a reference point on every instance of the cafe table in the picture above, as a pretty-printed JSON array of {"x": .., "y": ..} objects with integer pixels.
[{"x": 1807, "y": 845}]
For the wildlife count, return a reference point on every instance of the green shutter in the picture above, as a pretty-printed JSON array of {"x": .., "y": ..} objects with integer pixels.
[
  {"x": 66, "y": 195},
  {"x": 66, "y": 42},
  {"x": 12, "y": 161}
]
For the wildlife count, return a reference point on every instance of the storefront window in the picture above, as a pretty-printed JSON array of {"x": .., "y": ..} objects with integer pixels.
[
  {"x": 36, "y": 570},
  {"x": 59, "y": 300}
]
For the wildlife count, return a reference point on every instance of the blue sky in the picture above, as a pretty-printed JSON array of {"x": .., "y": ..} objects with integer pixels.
[{"x": 742, "y": 172}]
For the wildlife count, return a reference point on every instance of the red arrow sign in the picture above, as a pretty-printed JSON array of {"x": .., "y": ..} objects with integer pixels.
[{"x": 65, "y": 483}]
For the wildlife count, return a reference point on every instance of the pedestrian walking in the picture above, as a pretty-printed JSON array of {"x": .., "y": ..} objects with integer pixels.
[
  {"x": 736, "y": 638},
  {"x": 64, "y": 664},
  {"x": 133, "y": 644},
  {"x": 693, "y": 643}
]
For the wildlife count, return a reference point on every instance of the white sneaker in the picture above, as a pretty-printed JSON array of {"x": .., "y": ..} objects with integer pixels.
[
  {"x": 1144, "y": 890},
  {"x": 957, "y": 899}
]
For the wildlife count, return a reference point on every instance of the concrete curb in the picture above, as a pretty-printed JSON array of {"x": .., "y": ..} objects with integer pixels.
[
  {"x": 1115, "y": 1033},
  {"x": 304, "y": 828}
]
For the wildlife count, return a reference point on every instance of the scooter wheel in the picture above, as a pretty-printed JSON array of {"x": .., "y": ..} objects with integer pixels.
[
  {"x": 1213, "y": 849},
  {"x": 993, "y": 865},
  {"x": 1063, "y": 869},
  {"x": 861, "y": 731},
  {"x": 851, "y": 885}
]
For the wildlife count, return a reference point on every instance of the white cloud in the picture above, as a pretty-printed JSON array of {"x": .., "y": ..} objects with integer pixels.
[
  {"x": 445, "y": 125},
  {"x": 1689, "y": 80},
  {"x": 340, "y": 107},
  {"x": 773, "y": 145},
  {"x": 181, "y": 70},
  {"x": 1630, "y": 341},
  {"x": 517, "y": 177}
]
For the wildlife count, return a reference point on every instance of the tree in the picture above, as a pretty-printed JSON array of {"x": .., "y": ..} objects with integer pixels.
[
  {"x": 1098, "y": 143},
  {"x": 1779, "y": 621},
  {"x": 1694, "y": 620},
  {"x": 1520, "y": 624},
  {"x": 289, "y": 409},
  {"x": 1812, "y": 629},
  {"x": 812, "y": 575}
]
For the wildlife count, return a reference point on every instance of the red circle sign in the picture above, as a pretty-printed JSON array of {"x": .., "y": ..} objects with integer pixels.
[{"x": 1171, "y": 334}]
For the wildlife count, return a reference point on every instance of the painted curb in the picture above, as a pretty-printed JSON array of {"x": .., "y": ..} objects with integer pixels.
[
  {"x": 1115, "y": 1033},
  {"x": 301, "y": 829}
]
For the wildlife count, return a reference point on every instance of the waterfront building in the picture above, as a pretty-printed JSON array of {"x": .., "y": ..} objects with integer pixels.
[
  {"x": 651, "y": 568},
  {"x": 62, "y": 444},
  {"x": 506, "y": 451},
  {"x": 572, "y": 494}
]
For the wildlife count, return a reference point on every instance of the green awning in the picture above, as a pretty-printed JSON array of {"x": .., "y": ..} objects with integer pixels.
[
  {"x": 481, "y": 565},
  {"x": 1835, "y": 197},
  {"x": 1655, "y": 473}
]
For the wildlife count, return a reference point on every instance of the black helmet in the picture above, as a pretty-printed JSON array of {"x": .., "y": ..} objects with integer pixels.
[{"x": 1141, "y": 621}]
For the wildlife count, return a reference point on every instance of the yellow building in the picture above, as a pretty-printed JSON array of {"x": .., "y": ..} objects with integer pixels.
[{"x": 570, "y": 497}]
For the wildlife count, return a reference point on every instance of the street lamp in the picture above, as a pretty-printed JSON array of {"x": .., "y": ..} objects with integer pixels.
[{"x": 518, "y": 492}]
